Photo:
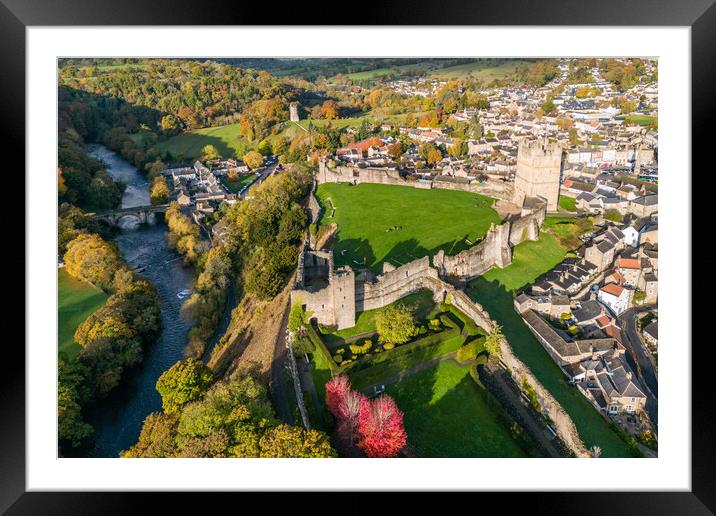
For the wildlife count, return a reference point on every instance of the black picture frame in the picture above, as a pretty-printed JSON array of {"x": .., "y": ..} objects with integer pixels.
[{"x": 700, "y": 15}]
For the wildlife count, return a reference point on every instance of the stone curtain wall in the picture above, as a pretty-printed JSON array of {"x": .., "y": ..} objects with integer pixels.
[
  {"x": 527, "y": 227},
  {"x": 493, "y": 250},
  {"x": 563, "y": 424},
  {"x": 356, "y": 175},
  {"x": 313, "y": 205},
  {"x": 393, "y": 285}
]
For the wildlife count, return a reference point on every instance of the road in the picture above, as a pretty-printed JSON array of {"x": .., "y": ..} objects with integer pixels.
[
  {"x": 639, "y": 357},
  {"x": 262, "y": 175}
]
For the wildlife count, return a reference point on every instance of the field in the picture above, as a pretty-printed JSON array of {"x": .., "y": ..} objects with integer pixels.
[
  {"x": 477, "y": 70},
  {"x": 495, "y": 291},
  {"x": 379, "y": 223},
  {"x": 77, "y": 300},
  {"x": 448, "y": 415},
  {"x": 225, "y": 138},
  {"x": 642, "y": 119}
]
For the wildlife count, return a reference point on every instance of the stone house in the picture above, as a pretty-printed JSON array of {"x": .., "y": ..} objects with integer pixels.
[
  {"x": 614, "y": 297},
  {"x": 645, "y": 205},
  {"x": 630, "y": 269},
  {"x": 651, "y": 333}
]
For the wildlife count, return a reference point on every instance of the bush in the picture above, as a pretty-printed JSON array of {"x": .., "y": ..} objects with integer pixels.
[
  {"x": 338, "y": 359},
  {"x": 469, "y": 351},
  {"x": 361, "y": 349},
  {"x": 388, "y": 346}
]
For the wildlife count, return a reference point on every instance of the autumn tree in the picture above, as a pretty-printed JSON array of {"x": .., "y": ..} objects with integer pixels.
[
  {"x": 159, "y": 193},
  {"x": 395, "y": 324},
  {"x": 92, "y": 259},
  {"x": 381, "y": 429},
  {"x": 185, "y": 381},
  {"x": 329, "y": 110},
  {"x": 253, "y": 159}
]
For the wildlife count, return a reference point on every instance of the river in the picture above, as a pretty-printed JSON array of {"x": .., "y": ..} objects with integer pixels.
[{"x": 118, "y": 419}]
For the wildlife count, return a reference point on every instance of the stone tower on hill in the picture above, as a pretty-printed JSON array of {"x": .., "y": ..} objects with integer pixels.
[
  {"x": 293, "y": 111},
  {"x": 538, "y": 172}
]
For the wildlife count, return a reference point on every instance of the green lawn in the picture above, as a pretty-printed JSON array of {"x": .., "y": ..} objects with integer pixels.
[
  {"x": 447, "y": 414},
  {"x": 567, "y": 203},
  {"x": 642, "y": 119},
  {"x": 77, "y": 300},
  {"x": 379, "y": 223},
  {"x": 495, "y": 291},
  {"x": 236, "y": 186},
  {"x": 225, "y": 138}
]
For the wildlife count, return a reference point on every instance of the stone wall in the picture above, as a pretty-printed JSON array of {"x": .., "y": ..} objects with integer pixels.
[
  {"x": 527, "y": 227},
  {"x": 386, "y": 176},
  {"x": 314, "y": 206},
  {"x": 395, "y": 284},
  {"x": 493, "y": 250},
  {"x": 563, "y": 424}
]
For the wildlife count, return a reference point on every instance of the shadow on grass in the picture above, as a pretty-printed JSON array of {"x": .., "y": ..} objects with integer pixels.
[{"x": 592, "y": 427}]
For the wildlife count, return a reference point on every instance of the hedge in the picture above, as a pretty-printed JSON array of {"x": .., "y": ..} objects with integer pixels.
[{"x": 321, "y": 348}]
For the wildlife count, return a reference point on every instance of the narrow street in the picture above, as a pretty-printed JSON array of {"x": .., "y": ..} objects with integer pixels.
[{"x": 640, "y": 359}]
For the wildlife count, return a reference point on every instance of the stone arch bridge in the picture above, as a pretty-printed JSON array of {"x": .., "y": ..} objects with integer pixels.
[{"x": 140, "y": 213}]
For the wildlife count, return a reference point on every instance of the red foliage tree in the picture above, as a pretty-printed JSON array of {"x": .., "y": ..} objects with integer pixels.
[
  {"x": 336, "y": 389},
  {"x": 380, "y": 426}
]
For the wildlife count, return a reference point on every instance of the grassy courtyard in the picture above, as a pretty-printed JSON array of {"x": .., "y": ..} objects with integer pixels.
[
  {"x": 379, "y": 223},
  {"x": 76, "y": 300},
  {"x": 495, "y": 291},
  {"x": 447, "y": 414},
  {"x": 567, "y": 203},
  {"x": 236, "y": 186}
]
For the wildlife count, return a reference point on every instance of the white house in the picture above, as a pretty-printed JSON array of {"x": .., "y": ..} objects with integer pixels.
[
  {"x": 631, "y": 236},
  {"x": 614, "y": 297}
]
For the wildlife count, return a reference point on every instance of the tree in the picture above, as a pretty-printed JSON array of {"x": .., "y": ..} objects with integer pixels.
[
  {"x": 253, "y": 159},
  {"x": 329, "y": 110},
  {"x": 395, "y": 324},
  {"x": 458, "y": 148},
  {"x": 336, "y": 389},
  {"x": 265, "y": 148},
  {"x": 493, "y": 340},
  {"x": 71, "y": 426},
  {"x": 209, "y": 152},
  {"x": 160, "y": 191},
  {"x": 381, "y": 429},
  {"x": 92, "y": 259},
  {"x": 286, "y": 441},
  {"x": 185, "y": 381}
]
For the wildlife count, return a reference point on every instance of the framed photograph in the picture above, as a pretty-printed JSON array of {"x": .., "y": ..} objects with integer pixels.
[{"x": 419, "y": 254}]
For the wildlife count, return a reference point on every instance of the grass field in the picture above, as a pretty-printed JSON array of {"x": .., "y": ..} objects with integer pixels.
[
  {"x": 448, "y": 415},
  {"x": 477, "y": 70},
  {"x": 642, "y": 119},
  {"x": 225, "y": 138},
  {"x": 77, "y": 300},
  {"x": 495, "y": 291},
  {"x": 567, "y": 203},
  {"x": 398, "y": 224}
]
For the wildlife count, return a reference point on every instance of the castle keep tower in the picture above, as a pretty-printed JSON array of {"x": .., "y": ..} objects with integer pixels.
[
  {"x": 293, "y": 112},
  {"x": 538, "y": 171}
]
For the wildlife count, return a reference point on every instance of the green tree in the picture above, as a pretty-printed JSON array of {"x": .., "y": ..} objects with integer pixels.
[
  {"x": 185, "y": 381},
  {"x": 395, "y": 324},
  {"x": 209, "y": 152},
  {"x": 493, "y": 339}
]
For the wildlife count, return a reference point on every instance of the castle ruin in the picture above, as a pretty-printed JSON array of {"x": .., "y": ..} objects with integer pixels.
[
  {"x": 335, "y": 295},
  {"x": 539, "y": 165}
]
